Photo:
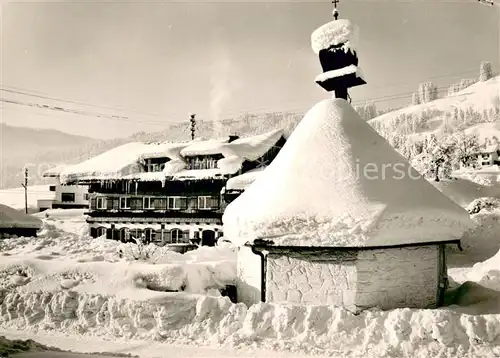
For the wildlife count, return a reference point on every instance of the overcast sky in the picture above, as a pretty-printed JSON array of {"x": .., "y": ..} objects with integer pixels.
[{"x": 157, "y": 62}]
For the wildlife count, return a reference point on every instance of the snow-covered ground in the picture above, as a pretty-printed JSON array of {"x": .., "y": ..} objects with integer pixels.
[
  {"x": 481, "y": 97},
  {"x": 68, "y": 290},
  {"x": 15, "y": 197}
]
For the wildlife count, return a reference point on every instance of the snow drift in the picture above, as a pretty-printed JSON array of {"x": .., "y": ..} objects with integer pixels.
[{"x": 67, "y": 282}]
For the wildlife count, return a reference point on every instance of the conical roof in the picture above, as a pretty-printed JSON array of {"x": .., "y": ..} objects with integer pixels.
[
  {"x": 12, "y": 218},
  {"x": 337, "y": 183}
]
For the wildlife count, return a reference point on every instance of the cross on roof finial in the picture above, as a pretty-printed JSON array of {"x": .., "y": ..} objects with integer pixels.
[{"x": 335, "y": 11}]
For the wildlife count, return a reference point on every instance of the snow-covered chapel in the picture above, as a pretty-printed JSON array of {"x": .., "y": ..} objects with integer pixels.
[{"x": 339, "y": 217}]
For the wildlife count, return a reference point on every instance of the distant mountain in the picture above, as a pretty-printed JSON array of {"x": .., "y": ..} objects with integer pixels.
[
  {"x": 22, "y": 145},
  {"x": 23, "y": 141}
]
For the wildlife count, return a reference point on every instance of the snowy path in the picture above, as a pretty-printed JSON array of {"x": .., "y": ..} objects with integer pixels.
[{"x": 144, "y": 349}]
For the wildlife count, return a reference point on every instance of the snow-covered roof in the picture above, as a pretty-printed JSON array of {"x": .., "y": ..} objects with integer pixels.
[
  {"x": 54, "y": 172},
  {"x": 337, "y": 183},
  {"x": 252, "y": 148},
  {"x": 12, "y": 218},
  {"x": 145, "y": 176},
  {"x": 164, "y": 150},
  {"x": 204, "y": 147},
  {"x": 490, "y": 148},
  {"x": 198, "y": 174},
  {"x": 241, "y": 182},
  {"x": 334, "y": 33},
  {"x": 119, "y": 162}
]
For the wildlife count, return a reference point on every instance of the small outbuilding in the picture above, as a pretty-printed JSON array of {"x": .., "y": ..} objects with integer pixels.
[
  {"x": 340, "y": 218},
  {"x": 16, "y": 223}
]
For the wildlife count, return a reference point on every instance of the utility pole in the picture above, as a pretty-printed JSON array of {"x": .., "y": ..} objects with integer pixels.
[
  {"x": 193, "y": 125},
  {"x": 25, "y": 186}
]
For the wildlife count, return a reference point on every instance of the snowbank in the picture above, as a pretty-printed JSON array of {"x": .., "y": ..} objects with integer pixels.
[
  {"x": 214, "y": 320},
  {"x": 12, "y": 218},
  {"x": 67, "y": 282},
  {"x": 355, "y": 190}
]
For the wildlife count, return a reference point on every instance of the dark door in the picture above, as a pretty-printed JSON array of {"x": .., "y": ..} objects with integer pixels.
[{"x": 208, "y": 238}]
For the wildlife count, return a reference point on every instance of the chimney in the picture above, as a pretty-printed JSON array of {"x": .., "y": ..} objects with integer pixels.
[{"x": 233, "y": 137}]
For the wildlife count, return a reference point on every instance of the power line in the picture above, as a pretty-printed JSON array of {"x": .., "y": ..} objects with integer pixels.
[
  {"x": 26, "y": 92},
  {"x": 66, "y": 110},
  {"x": 75, "y": 111},
  {"x": 41, "y": 95}
]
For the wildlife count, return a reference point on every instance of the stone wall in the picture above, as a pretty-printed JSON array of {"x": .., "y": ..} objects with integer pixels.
[
  {"x": 398, "y": 277},
  {"x": 388, "y": 278},
  {"x": 301, "y": 280}
]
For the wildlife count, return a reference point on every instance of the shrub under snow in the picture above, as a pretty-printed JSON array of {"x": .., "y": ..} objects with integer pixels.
[{"x": 483, "y": 203}]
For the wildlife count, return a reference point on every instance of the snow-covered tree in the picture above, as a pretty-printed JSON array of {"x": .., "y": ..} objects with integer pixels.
[
  {"x": 466, "y": 147},
  {"x": 441, "y": 159},
  {"x": 415, "y": 99},
  {"x": 485, "y": 71},
  {"x": 463, "y": 84},
  {"x": 466, "y": 82},
  {"x": 367, "y": 111},
  {"x": 427, "y": 92},
  {"x": 370, "y": 111},
  {"x": 435, "y": 160}
]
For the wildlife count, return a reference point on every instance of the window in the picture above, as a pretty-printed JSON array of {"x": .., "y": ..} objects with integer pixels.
[
  {"x": 124, "y": 202},
  {"x": 204, "y": 202},
  {"x": 147, "y": 203},
  {"x": 124, "y": 234},
  {"x": 86, "y": 196},
  {"x": 101, "y": 231},
  {"x": 203, "y": 162},
  {"x": 68, "y": 197},
  {"x": 176, "y": 202},
  {"x": 148, "y": 235},
  {"x": 101, "y": 203},
  {"x": 52, "y": 188},
  {"x": 176, "y": 236}
]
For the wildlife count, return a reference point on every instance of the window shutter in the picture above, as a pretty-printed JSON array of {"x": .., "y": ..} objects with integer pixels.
[
  {"x": 93, "y": 204},
  {"x": 93, "y": 232},
  {"x": 185, "y": 236},
  {"x": 214, "y": 202},
  {"x": 183, "y": 203}
]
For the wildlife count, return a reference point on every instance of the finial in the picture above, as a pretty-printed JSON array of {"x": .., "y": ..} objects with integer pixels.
[
  {"x": 335, "y": 44},
  {"x": 335, "y": 11}
]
